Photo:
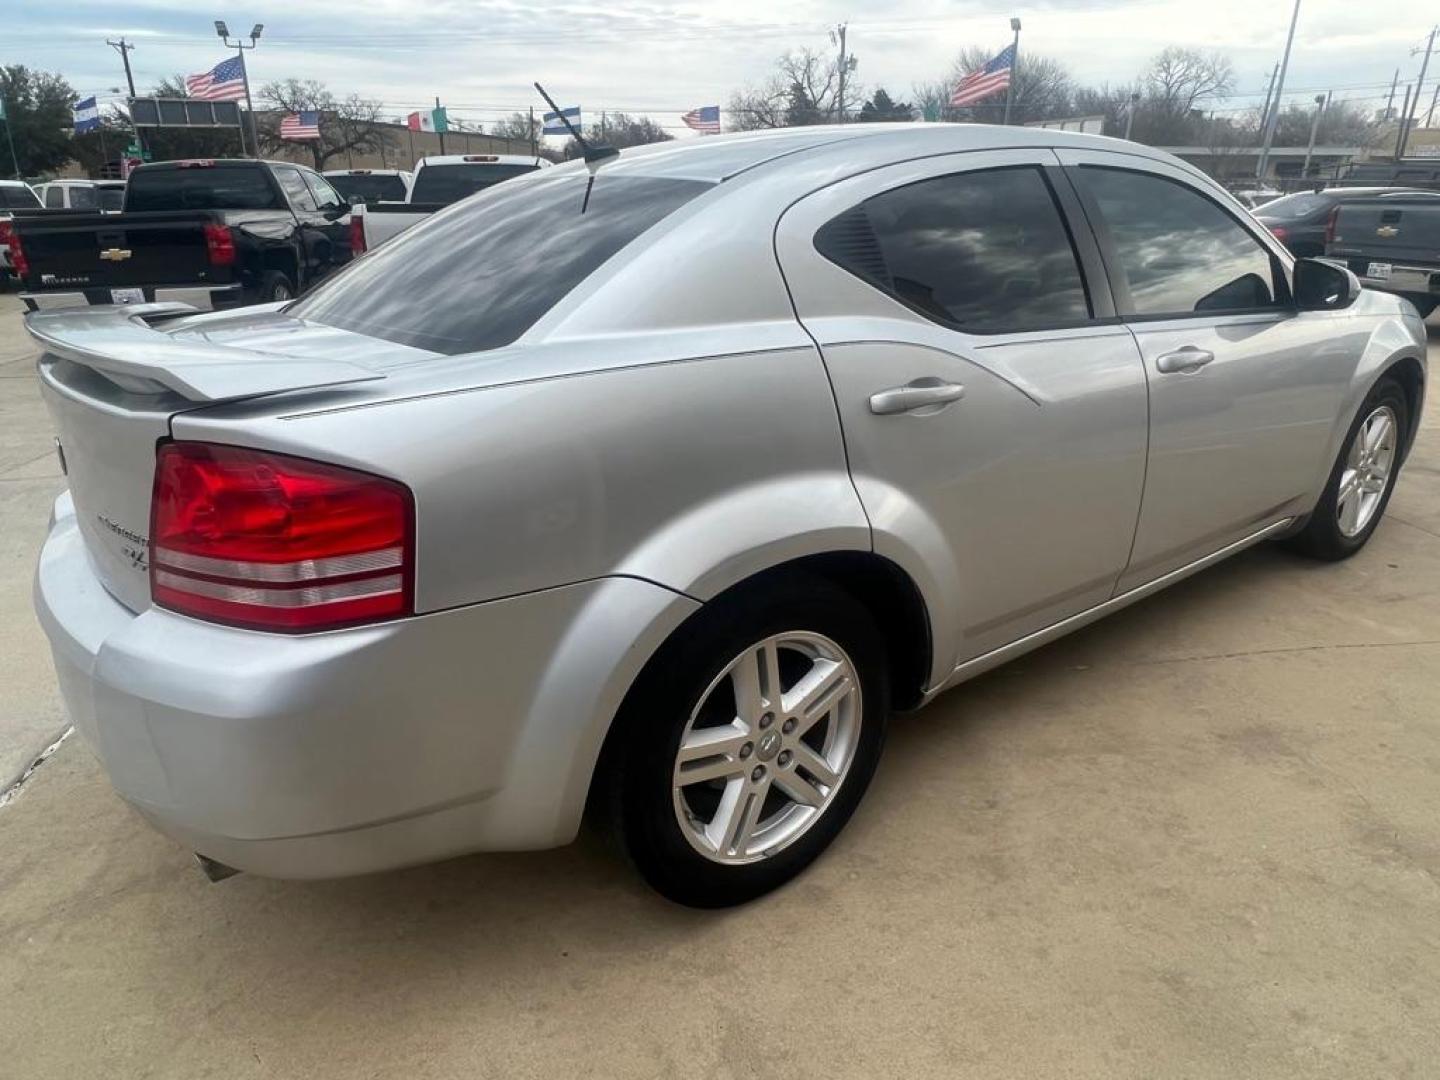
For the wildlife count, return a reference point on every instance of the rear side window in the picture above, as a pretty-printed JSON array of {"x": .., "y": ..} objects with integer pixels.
[
  {"x": 984, "y": 251},
  {"x": 369, "y": 189},
  {"x": 1180, "y": 253},
  {"x": 295, "y": 190},
  {"x": 451, "y": 183},
  {"x": 17, "y": 197},
  {"x": 54, "y": 197},
  {"x": 478, "y": 275},
  {"x": 202, "y": 187}
]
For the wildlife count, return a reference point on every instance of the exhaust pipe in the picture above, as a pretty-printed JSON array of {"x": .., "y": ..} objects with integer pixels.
[{"x": 215, "y": 871}]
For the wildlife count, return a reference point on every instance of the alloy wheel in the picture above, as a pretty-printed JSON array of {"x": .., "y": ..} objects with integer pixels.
[
  {"x": 767, "y": 747},
  {"x": 1366, "y": 474}
]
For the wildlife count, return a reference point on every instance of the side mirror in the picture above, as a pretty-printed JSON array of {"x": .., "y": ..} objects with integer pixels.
[{"x": 1323, "y": 285}]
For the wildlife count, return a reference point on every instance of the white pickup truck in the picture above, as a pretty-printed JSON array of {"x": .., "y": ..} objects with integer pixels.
[{"x": 439, "y": 181}]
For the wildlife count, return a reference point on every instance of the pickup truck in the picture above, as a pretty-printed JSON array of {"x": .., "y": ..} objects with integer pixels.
[
  {"x": 439, "y": 181},
  {"x": 1392, "y": 243},
  {"x": 83, "y": 195},
  {"x": 211, "y": 233}
]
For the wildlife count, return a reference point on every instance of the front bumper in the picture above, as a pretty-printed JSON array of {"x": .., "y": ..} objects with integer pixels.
[
  {"x": 203, "y": 297},
  {"x": 356, "y": 750}
]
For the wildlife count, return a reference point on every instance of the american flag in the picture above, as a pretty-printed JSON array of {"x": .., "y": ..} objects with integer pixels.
[
  {"x": 705, "y": 119},
  {"x": 301, "y": 125},
  {"x": 224, "y": 82},
  {"x": 990, "y": 79}
]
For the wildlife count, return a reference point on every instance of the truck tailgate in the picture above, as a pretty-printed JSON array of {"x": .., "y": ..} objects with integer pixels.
[
  {"x": 1397, "y": 230},
  {"x": 94, "y": 250}
]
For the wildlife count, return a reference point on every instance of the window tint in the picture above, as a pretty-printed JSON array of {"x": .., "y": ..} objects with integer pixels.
[
  {"x": 295, "y": 190},
  {"x": 984, "y": 250},
  {"x": 201, "y": 187},
  {"x": 112, "y": 198},
  {"x": 18, "y": 197},
  {"x": 451, "y": 183},
  {"x": 478, "y": 275},
  {"x": 84, "y": 198},
  {"x": 1178, "y": 250},
  {"x": 1294, "y": 207},
  {"x": 369, "y": 188},
  {"x": 54, "y": 197}
]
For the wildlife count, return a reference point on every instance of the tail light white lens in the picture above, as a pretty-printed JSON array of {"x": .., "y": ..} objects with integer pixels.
[{"x": 274, "y": 542}]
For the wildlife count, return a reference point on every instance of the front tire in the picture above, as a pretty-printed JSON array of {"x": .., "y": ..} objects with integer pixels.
[
  {"x": 1362, "y": 479},
  {"x": 750, "y": 741}
]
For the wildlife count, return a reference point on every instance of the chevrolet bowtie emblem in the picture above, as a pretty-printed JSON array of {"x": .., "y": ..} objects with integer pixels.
[
  {"x": 115, "y": 254},
  {"x": 1387, "y": 231}
]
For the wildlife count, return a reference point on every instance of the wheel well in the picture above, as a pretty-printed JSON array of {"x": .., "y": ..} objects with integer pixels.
[{"x": 1408, "y": 373}]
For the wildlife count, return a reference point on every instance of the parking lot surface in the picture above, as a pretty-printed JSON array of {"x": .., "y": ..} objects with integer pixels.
[{"x": 1199, "y": 839}]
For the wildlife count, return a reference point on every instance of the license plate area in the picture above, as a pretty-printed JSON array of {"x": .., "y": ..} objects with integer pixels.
[
  {"x": 127, "y": 296},
  {"x": 1378, "y": 270}
]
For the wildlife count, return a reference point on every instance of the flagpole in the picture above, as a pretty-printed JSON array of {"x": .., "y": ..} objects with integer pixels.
[{"x": 1014, "y": 68}]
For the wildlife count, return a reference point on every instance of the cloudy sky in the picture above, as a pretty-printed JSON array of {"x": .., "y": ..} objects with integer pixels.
[{"x": 660, "y": 58}]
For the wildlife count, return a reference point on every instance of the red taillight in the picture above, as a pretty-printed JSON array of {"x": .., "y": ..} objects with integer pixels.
[
  {"x": 1330, "y": 225},
  {"x": 9, "y": 236},
  {"x": 357, "y": 234},
  {"x": 219, "y": 244},
  {"x": 275, "y": 542}
]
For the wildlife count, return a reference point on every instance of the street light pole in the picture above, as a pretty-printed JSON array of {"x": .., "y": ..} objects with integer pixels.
[
  {"x": 1314, "y": 130},
  {"x": 1014, "y": 68},
  {"x": 1130, "y": 114},
  {"x": 1279, "y": 91},
  {"x": 1419, "y": 88},
  {"x": 239, "y": 45},
  {"x": 123, "y": 47}
]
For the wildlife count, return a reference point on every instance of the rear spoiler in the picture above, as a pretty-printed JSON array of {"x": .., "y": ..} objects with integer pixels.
[{"x": 120, "y": 344}]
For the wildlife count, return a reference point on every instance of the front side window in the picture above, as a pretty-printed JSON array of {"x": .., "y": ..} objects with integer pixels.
[
  {"x": 325, "y": 195},
  {"x": 293, "y": 184},
  {"x": 1179, "y": 252},
  {"x": 478, "y": 275},
  {"x": 984, "y": 251}
]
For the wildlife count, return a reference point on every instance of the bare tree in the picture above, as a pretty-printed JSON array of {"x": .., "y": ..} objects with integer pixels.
[
  {"x": 803, "y": 89},
  {"x": 620, "y": 130},
  {"x": 352, "y": 125},
  {"x": 1180, "y": 80},
  {"x": 518, "y": 126},
  {"x": 1041, "y": 89}
]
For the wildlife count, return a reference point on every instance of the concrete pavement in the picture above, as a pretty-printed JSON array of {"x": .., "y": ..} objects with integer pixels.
[{"x": 1200, "y": 839}]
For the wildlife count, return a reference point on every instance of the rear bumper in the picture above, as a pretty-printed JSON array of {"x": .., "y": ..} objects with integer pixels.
[
  {"x": 204, "y": 297},
  {"x": 1412, "y": 280},
  {"x": 357, "y": 750}
]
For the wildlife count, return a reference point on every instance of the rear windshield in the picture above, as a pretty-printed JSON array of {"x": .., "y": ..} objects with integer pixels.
[
  {"x": 17, "y": 198},
  {"x": 202, "y": 187},
  {"x": 451, "y": 183},
  {"x": 478, "y": 275},
  {"x": 368, "y": 189},
  {"x": 1292, "y": 207}
]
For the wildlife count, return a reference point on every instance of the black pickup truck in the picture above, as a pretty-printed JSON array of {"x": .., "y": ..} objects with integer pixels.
[
  {"x": 212, "y": 233},
  {"x": 1392, "y": 243}
]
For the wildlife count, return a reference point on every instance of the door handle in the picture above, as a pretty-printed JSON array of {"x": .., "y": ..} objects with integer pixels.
[
  {"x": 1183, "y": 361},
  {"x": 915, "y": 395}
]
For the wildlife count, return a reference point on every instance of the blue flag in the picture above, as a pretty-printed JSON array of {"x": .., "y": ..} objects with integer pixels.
[
  {"x": 555, "y": 126},
  {"x": 87, "y": 115}
]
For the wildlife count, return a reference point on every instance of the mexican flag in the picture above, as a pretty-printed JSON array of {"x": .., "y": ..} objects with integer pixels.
[{"x": 428, "y": 120}]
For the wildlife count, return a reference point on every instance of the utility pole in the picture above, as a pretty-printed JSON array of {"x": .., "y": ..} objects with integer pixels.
[
  {"x": 1400, "y": 133},
  {"x": 1014, "y": 68},
  {"x": 1390, "y": 101},
  {"x": 1130, "y": 114},
  {"x": 1419, "y": 88},
  {"x": 534, "y": 142},
  {"x": 1434, "y": 100},
  {"x": 123, "y": 47},
  {"x": 838, "y": 35},
  {"x": 1314, "y": 130},
  {"x": 436, "y": 126},
  {"x": 223, "y": 32},
  {"x": 1279, "y": 92},
  {"x": 9, "y": 136}
]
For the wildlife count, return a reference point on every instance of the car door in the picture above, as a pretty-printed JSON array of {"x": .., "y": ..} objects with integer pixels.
[
  {"x": 335, "y": 223},
  {"x": 1244, "y": 389},
  {"x": 993, "y": 408}
]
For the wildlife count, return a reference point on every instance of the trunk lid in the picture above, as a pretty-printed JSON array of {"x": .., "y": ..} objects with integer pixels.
[{"x": 112, "y": 383}]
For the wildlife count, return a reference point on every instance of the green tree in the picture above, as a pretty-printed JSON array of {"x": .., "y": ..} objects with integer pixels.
[
  {"x": 94, "y": 150},
  {"x": 37, "y": 112},
  {"x": 882, "y": 108}
]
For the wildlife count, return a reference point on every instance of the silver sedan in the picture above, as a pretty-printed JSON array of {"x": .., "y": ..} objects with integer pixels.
[{"x": 657, "y": 486}]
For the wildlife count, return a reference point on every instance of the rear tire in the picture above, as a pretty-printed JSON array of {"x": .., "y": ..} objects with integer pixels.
[
  {"x": 731, "y": 782},
  {"x": 1364, "y": 475},
  {"x": 274, "y": 286}
]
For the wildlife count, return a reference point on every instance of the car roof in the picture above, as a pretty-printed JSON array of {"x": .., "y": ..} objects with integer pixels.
[{"x": 719, "y": 157}]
